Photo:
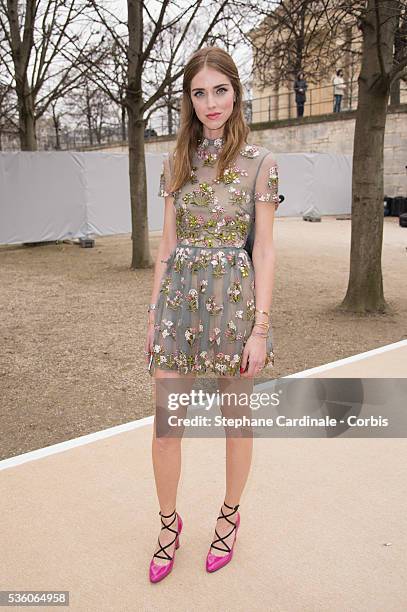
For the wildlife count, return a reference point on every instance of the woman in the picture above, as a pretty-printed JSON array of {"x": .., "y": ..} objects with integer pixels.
[
  {"x": 339, "y": 89},
  {"x": 300, "y": 87},
  {"x": 210, "y": 303}
]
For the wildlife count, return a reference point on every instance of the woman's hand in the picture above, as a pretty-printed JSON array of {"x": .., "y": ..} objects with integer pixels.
[
  {"x": 254, "y": 352},
  {"x": 149, "y": 339}
]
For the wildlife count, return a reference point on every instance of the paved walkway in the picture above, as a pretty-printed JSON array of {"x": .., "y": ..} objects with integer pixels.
[{"x": 323, "y": 521}]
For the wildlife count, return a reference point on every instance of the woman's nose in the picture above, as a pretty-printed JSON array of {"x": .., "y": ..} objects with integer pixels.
[{"x": 211, "y": 101}]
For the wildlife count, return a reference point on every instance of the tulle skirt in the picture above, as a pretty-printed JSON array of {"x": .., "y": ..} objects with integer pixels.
[{"x": 205, "y": 312}]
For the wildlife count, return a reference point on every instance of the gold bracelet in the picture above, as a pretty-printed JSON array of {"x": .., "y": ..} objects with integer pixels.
[
  {"x": 267, "y": 325},
  {"x": 263, "y": 312}
]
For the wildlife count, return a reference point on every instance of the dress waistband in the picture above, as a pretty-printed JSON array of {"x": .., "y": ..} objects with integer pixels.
[{"x": 217, "y": 248}]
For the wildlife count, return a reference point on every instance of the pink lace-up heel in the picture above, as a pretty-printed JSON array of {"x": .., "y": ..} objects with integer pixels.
[
  {"x": 214, "y": 562},
  {"x": 158, "y": 572}
]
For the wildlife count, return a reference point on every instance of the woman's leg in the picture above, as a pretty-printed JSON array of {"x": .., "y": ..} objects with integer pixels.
[
  {"x": 239, "y": 451},
  {"x": 166, "y": 456}
]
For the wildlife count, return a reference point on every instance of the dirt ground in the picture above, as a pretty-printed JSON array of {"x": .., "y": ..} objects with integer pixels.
[{"x": 73, "y": 320}]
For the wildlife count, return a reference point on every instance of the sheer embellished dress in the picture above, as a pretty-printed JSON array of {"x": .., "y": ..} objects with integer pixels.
[{"x": 206, "y": 305}]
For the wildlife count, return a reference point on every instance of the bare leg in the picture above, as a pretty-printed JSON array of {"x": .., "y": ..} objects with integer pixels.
[
  {"x": 166, "y": 457},
  {"x": 239, "y": 451}
]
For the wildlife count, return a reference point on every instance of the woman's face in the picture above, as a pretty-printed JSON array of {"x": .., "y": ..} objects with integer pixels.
[{"x": 212, "y": 98}]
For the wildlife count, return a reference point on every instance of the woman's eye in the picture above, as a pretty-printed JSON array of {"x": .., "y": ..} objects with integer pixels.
[{"x": 222, "y": 89}]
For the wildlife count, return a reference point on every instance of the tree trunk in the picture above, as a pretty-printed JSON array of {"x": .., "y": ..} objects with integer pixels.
[
  {"x": 58, "y": 136},
  {"x": 365, "y": 286},
  {"x": 26, "y": 128},
  {"x": 365, "y": 289},
  {"x": 123, "y": 123},
  {"x": 169, "y": 110},
  {"x": 141, "y": 257}
]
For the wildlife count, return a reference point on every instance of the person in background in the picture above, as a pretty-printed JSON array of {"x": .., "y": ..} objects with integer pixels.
[
  {"x": 300, "y": 87},
  {"x": 339, "y": 88}
]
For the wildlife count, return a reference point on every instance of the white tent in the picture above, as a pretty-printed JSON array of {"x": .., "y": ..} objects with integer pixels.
[{"x": 47, "y": 196}]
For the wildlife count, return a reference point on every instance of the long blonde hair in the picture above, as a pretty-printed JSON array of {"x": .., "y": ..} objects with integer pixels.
[{"x": 191, "y": 129}]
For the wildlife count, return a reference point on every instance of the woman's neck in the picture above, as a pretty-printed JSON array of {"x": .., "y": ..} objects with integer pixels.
[{"x": 213, "y": 134}]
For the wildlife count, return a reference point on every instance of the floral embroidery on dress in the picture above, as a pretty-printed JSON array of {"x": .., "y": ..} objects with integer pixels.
[
  {"x": 218, "y": 262},
  {"x": 204, "y": 196},
  {"x": 181, "y": 256},
  {"x": 212, "y": 307},
  {"x": 272, "y": 184},
  {"x": 194, "y": 178},
  {"x": 192, "y": 300},
  {"x": 168, "y": 328},
  {"x": 220, "y": 363},
  {"x": 203, "y": 285},
  {"x": 250, "y": 151},
  {"x": 241, "y": 197},
  {"x": 175, "y": 301},
  {"x": 214, "y": 336},
  {"x": 231, "y": 332},
  {"x": 194, "y": 230},
  {"x": 273, "y": 177},
  {"x": 234, "y": 292},
  {"x": 206, "y": 305},
  {"x": 217, "y": 142},
  {"x": 165, "y": 285},
  {"x": 250, "y": 310},
  {"x": 231, "y": 175},
  {"x": 209, "y": 158},
  {"x": 190, "y": 335},
  {"x": 243, "y": 265}
]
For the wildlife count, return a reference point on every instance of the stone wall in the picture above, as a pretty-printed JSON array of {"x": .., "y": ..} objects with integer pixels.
[{"x": 331, "y": 133}]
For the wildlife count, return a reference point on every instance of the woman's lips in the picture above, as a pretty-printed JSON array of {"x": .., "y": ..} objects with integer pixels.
[{"x": 213, "y": 116}]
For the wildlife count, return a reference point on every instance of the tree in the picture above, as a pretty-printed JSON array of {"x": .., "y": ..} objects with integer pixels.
[
  {"x": 379, "y": 22},
  {"x": 292, "y": 33},
  {"x": 296, "y": 35},
  {"x": 38, "y": 36},
  {"x": 91, "y": 109},
  {"x": 7, "y": 110}
]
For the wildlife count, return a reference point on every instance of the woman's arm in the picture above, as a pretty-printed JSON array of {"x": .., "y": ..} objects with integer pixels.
[
  {"x": 264, "y": 258},
  {"x": 168, "y": 239},
  {"x": 266, "y": 202}
]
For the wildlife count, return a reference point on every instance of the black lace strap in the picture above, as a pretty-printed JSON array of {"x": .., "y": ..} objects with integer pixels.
[
  {"x": 162, "y": 548},
  {"x": 220, "y": 538}
]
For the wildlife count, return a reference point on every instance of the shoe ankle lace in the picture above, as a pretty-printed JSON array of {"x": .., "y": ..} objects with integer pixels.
[
  {"x": 175, "y": 531},
  {"x": 219, "y": 537}
]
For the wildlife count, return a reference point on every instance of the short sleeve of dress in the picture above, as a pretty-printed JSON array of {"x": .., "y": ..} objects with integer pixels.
[
  {"x": 266, "y": 186},
  {"x": 165, "y": 178}
]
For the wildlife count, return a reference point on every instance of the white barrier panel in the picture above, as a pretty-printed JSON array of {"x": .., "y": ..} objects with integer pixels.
[{"x": 46, "y": 196}]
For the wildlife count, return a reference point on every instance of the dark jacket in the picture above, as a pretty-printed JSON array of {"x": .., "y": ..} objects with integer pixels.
[{"x": 300, "y": 87}]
